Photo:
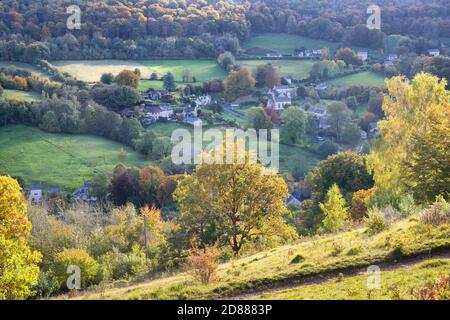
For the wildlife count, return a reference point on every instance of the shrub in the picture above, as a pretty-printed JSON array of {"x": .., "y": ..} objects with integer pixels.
[
  {"x": 125, "y": 265},
  {"x": 437, "y": 214},
  {"x": 406, "y": 205},
  {"x": 359, "y": 204},
  {"x": 297, "y": 259},
  {"x": 435, "y": 290},
  {"x": 375, "y": 221},
  {"x": 203, "y": 263},
  {"x": 433, "y": 263},
  {"x": 79, "y": 258}
]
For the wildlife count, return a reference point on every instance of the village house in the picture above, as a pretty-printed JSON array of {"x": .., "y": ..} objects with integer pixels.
[
  {"x": 278, "y": 103},
  {"x": 392, "y": 57},
  {"x": 291, "y": 200},
  {"x": 273, "y": 55},
  {"x": 373, "y": 129},
  {"x": 84, "y": 194},
  {"x": 363, "y": 55},
  {"x": 434, "y": 52},
  {"x": 35, "y": 195},
  {"x": 320, "y": 115},
  {"x": 202, "y": 101},
  {"x": 157, "y": 112},
  {"x": 321, "y": 86}
]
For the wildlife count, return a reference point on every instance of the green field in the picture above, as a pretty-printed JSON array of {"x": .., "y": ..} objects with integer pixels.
[
  {"x": 18, "y": 95},
  {"x": 202, "y": 70},
  {"x": 355, "y": 287},
  {"x": 366, "y": 78},
  {"x": 25, "y": 66},
  {"x": 91, "y": 70},
  {"x": 58, "y": 159},
  {"x": 298, "y": 69},
  {"x": 286, "y": 43}
]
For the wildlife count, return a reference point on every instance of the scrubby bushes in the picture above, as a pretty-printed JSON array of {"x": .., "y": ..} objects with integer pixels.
[
  {"x": 437, "y": 214},
  {"x": 375, "y": 221},
  {"x": 202, "y": 263}
]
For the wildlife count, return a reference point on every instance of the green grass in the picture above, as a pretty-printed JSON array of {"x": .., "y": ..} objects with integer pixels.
[
  {"x": 202, "y": 70},
  {"x": 26, "y": 96},
  {"x": 144, "y": 85},
  {"x": 298, "y": 69},
  {"x": 91, "y": 70},
  {"x": 355, "y": 287},
  {"x": 59, "y": 159},
  {"x": 286, "y": 43},
  {"x": 24, "y": 66},
  {"x": 321, "y": 254},
  {"x": 366, "y": 78}
]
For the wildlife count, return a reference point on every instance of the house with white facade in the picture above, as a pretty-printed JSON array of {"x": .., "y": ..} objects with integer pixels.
[
  {"x": 434, "y": 52},
  {"x": 202, "y": 101},
  {"x": 278, "y": 103},
  {"x": 363, "y": 55},
  {"x": 35, "y": 195},
  {"x": 157, "y": 112}
]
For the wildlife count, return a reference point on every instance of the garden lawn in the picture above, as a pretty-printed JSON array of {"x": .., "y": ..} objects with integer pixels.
[
  {"x": 59, "y": 159},
  {"x": 24, "y": 66}
]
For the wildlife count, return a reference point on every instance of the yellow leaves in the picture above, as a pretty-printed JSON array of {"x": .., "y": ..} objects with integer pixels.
[
  {"x": 18, "y": 264},
  {"x": 413, "y": 108}
]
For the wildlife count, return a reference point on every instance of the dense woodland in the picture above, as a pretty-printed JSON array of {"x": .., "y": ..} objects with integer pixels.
[{"x": 199, "y": 28}]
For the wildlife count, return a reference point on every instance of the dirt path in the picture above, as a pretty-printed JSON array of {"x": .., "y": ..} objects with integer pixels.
[{"x": 321, "y": 278}]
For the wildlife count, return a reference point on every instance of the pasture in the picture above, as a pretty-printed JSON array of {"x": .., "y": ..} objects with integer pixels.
[
  {"x": 24, "y": 66},
  {"x": 25, "y": 96},
  {"x": 298, "y": 69},
  {"x": 286, "y": 43},
  {"x": 91, "y": 70},
  {"x": 59, "y": 159},
  {"x": 366, "y": 78}
]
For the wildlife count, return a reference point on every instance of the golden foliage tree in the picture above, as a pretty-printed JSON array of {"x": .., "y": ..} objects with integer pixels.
[
  {"x": 239, "y": 83},
  {"x": 232, "y": 202},
  {"x": 412, "y": 154},
  {"x": 335, "y": 211},
  {"x": 18, "y": 263}
]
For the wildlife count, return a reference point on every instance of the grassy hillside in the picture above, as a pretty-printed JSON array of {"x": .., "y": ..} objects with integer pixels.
[
  {"x": 59, "y": 159},
  {"x": 397, "y": 281},
  {"x": 286, "y": 43},
  {"x": 26, "y": 96},
  {"x": 298, "y": 69},
  {"x": 308, "y": 257}
]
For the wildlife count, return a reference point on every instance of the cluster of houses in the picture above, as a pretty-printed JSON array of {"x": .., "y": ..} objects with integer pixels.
[
  {"x": 153, "y": 109},
  {"x": 84, "y": 194}
]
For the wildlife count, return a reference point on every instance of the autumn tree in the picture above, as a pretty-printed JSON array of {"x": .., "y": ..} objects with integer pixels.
[
  {"x": 266, "y": 75},
  {"x": 239, "y": 83},
  {"x": 128, "y": 78},
  {"x": 412, "y": 155},
  {"x": 335, "y": 211},
  {"x": 226, "y": 60},
  {"x": 169, "y": 82},
  {"x": 348, "y": 56},
  {"x": 233, "y": 203},
  {"x": 202, "y": 263},
  {"x": 18, "y": 263},
  {"x": 150, "y": 178}
]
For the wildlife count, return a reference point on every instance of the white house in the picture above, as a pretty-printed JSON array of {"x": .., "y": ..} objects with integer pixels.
[
  {"x": 434, "y": 52},
  {"x": 363, "y": 55},
  {"x": 162, "y": 111},
  {"x": 278, "y": 103},
  {"x": 202, "y": 101},
  {"x": 282, "y": 90},
  {"x": 35, "y": 193},
  {"x": 392, "y": 57}
]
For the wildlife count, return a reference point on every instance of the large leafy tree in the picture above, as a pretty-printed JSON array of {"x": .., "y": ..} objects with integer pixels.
[
  {"x": 232, "y": 203},
  {"x": 239, "y": 83},
  {"x": 295, "y": 121},
  {"x": 18, "y": 262},
  {"x": 346, "y": 169},
  {"x": 412, "y": 154}
]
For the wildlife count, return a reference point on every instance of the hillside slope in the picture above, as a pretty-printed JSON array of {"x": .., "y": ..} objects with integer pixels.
[{"x": 308, "y": 257}]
